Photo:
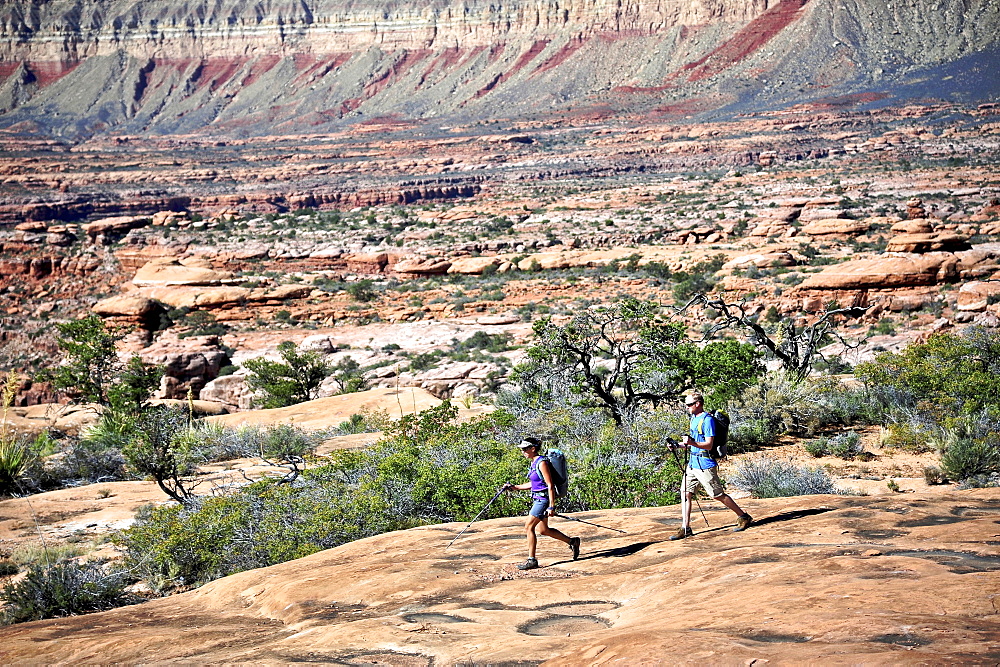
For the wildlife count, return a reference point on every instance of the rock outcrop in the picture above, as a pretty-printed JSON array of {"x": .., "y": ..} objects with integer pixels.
[{"x": 886, "y": 272}]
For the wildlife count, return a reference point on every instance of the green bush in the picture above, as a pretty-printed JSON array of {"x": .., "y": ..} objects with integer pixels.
[
  {"x": 64, "y": 589},
  {"x": 968, "y": 452},
  {"x": 846, "y": 446},
  {"x": 763, "y": 477},
  {"x": 909, "y": 436},
  {"x": 362, "y": 291},
  {"x": 951, "y": 373},
  {"x": 817, "y": 448},
  {"x": 295, "y": 379}
]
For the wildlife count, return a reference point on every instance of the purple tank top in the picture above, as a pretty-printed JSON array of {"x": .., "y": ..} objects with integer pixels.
[{"x": 538, "y": 486}]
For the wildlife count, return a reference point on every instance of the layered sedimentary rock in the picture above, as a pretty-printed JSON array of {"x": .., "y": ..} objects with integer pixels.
[{"x": 147, "y": 66}]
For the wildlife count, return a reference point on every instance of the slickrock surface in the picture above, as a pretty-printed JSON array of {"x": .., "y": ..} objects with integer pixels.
[
  {"x": 897, "y": 579},
  {"x": 328, "y": 412}
]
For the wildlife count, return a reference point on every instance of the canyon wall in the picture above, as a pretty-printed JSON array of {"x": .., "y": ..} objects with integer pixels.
[{"x": 252, "y": 68}]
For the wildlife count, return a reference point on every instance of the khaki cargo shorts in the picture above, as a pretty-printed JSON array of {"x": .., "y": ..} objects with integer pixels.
[{"x": 708, "y": 479}]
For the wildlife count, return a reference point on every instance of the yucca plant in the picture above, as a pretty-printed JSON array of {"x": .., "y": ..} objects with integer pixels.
[{"x": 13, "y": 453}]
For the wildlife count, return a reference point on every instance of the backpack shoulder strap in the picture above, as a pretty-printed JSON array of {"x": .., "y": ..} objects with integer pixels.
[{"x": 701, "y": 422}]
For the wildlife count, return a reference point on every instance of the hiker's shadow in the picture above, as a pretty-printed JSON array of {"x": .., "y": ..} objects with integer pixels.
[
  {"x": 791, "y": 515},
  {"x": 616, "y": 552}
]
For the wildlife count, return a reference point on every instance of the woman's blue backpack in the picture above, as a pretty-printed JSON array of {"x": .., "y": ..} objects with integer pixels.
[{"x": 559, "y": 471}]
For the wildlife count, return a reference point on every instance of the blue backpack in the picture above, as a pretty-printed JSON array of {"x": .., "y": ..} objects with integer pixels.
[{"x": 559, "y": 471}]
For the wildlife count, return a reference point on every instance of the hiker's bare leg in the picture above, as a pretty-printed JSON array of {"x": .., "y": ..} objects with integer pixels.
[
  {"x": 727, "y": 500},
  {"x": 554, "y": 533},
  {"x": 529, "y": 529}
]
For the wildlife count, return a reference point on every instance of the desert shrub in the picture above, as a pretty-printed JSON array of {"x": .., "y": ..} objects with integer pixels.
[
  {"x": 966, "y": 455},
  {"x": 933, "y": 475},
  {"x": 295, "y": 379},
  {"x": 764, "y": 477},
  {"x": 362, "y": 291},
  {"x": 775, "y": 405},
  {"x": 817, "y": 448},
  {"x": 846, "y": 446},
  {"x": 983, "y": 481},
  {"x": 30, "y": 554},
  {"x": 64, "y": 589},
  {"x": 909, "y": 434},
  {"x": 90, "y": 461},
  {"x": 158, "y": 448},
  {"x": 699, "y": 278},
  {"x": 425, "y": 360},
  {"x": 951, "y": 373},
  {"x": 353, "y": 425},
  {"x": 8, "y": 568},
  {"x": 481, "y": 340},
  {"x": 780, "y": 404}
]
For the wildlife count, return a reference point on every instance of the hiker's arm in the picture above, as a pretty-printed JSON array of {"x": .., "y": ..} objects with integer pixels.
[
  {"x": 515, "y": 487},
  {"x": 707, "y": 445},
  {"x": 547, "y": 476}
]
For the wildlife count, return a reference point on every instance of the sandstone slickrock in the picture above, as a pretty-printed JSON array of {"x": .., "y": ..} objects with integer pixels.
[
  {"x": 886, "y": 272},
  {"x": 884, "y": 579},
  {"x": 328, "y": 412}
]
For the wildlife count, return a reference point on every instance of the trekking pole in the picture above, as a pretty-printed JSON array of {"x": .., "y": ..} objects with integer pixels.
[
  {"x": 477, "y": 516},
  {"x": 684, "y": 491},
  {"x": 590, "y": 523}
]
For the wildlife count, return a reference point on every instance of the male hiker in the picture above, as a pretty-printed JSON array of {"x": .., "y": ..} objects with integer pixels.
[{"x": 702, "y": 468}]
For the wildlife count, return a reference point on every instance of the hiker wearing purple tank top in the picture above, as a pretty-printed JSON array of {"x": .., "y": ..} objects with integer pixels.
[{"x": 544, "y": 496}]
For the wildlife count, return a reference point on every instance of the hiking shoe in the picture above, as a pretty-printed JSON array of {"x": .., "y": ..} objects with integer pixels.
[
  {"x": 574, "y": 544},
  {"x": 529, "y": 564},
  {"x": 743, "y": 523},
  {"x": 681, "y": 533}
]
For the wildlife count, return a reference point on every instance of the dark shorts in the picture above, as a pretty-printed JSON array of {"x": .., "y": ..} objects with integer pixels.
[{"x": 539, "y": 507}]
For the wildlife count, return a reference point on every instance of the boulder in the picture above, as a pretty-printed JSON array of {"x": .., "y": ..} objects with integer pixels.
[
  {"x": 835, "y": 227},
  {"x": 496, "y": 320},
  {"x": 975, "y": 295},
  {"x": 920, "y": 243},
  {"x": 811, "y": 214},
  {"x": 116, "y": 226},
  {"x": 198, "y": 297},
  {"x": 545, "y": 260},
  {"x": 472, "y": 265},
  {"x": 188, "y": 363},
  {"x": 767, "y": 227},
  {"x": 166, "y": 271},
  {"x": 885, "y": 272},
  {"x": 422, "y": 267},
  {"x": 760, "y": 260},
  {"x": 319, "y": 343},
  {"x": 916, "y": 226},
  {"x": 367, "y": 263},
  {"x": 126, "y": 305},
  {"x": 280, "y": 292},
  {"x": 230, "y": 390}
]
